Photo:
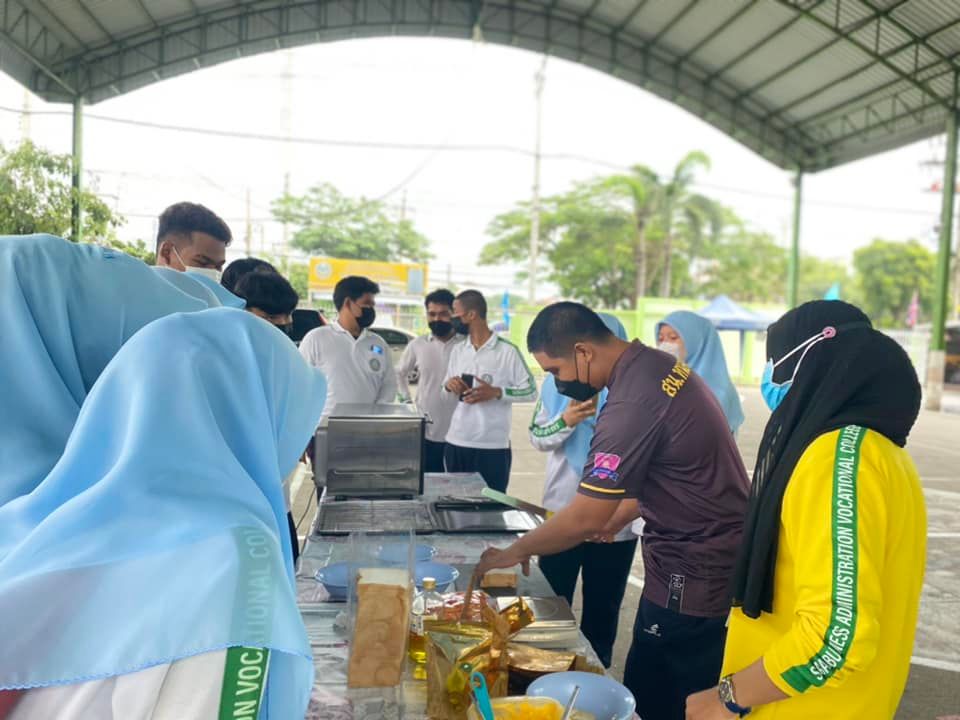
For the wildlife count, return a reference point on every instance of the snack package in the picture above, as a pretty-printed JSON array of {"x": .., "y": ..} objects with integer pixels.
[
  {"x": 453, "y": 607},
  {"x": 379, "y": 647},
  {"x": 455, "y": 650},
  {"x": 527, "y": 663}
]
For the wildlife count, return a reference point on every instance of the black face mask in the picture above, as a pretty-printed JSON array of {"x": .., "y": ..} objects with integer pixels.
[
  {"x": 367, "y": 317},
  {"x": 459, "y": 326},
  {"x": 574, "y": 389},
  {"x": 440, "y": 328},
  {"x": 287, "y": 329}
]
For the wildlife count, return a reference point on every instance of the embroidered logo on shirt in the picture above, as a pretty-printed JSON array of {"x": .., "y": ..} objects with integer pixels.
[
  {"x": 376, "y": 350},
  {"x": 676, "y": 379},
  {"x": 605, "y": 466},
  {"x": 487, "y": 378},
  {"x": 374, "y": 364}
]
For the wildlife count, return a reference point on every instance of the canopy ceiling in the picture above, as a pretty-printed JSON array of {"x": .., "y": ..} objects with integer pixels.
[{"x": 808, "y": 84}]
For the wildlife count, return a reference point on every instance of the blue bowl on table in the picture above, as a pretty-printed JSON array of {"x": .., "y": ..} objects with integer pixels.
[
  {"x": 396, "y": 553},
  {"x": 601, "y": 696},
  {"x": 444, "y": 574},
  {"x": 335, "y": 577}
]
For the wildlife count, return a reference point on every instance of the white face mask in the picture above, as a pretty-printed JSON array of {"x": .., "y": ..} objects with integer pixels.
[
  {"x": 670, "y": 348},
  {"x": 211, "y": 273}
]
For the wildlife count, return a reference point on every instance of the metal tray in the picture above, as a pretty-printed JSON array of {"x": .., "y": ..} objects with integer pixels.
[
  {"x": 346, "y": 516},
  {"x": 477, "y": 515}
]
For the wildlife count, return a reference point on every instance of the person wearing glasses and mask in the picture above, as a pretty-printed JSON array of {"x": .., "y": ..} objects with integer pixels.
[
  {"x": 192, "y": 239},
  {"x": 355, "y": 361}
]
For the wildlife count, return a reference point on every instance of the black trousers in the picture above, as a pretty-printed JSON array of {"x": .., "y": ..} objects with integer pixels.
[
  {"x": 605, "y": 568},
  {"x": 493, "y": 465},
  {"x": 433, "y": 456},
  {"x": 672, "y": 656},
  {"x": 294, "y": 540}
]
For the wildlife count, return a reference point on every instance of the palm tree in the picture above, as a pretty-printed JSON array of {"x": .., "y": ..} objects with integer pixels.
[
  {"x": 642, "y": 189},
  {"x": 681, "y": 210}
]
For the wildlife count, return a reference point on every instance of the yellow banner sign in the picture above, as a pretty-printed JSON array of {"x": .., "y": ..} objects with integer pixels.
[{"x": 393, "y": 278}]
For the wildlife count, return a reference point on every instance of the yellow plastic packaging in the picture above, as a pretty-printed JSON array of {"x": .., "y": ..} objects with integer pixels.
[{"x": 521, "y": 708}]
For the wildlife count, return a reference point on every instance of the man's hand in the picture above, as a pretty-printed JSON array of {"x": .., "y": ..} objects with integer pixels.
[
  {"x": 577, "y": 412},
  {"x": 494, "y": 559},
  {"x": 706, "y": 705},
  {"x": 456, "y": 385},
  {"x": 482, "y": 392}
]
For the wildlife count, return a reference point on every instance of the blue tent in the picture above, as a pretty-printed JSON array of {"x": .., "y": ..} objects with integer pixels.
[{"x": 725, "y": 314}]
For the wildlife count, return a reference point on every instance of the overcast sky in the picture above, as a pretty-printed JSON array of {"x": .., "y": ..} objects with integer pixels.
[{"x": 429, "y": 91}]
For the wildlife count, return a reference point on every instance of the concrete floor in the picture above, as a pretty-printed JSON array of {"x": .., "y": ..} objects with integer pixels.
[{"x": 933, "y": 689}]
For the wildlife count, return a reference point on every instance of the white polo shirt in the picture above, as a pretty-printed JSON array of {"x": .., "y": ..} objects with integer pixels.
[
  {"x": 357, "y": 370},
  {"x": 498, "y": 362},
  {"x": 431, "y": 356}
]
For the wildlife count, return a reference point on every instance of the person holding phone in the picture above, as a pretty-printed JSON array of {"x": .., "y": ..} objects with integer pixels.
[
  {"x": 564, "y": 428},
  {"x": 488, "y": 374}
]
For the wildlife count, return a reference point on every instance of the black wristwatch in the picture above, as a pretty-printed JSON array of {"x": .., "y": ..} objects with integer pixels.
[{"x": 728, "y": 699}]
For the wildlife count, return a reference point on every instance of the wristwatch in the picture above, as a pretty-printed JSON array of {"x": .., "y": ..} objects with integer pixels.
[{"x": 728, "y": 699}]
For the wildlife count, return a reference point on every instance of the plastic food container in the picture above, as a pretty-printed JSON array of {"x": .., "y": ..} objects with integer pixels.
[{"x": 521, "y": 708}]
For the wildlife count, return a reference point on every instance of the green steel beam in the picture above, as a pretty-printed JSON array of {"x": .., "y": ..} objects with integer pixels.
[
  {"x": 793, "y": 262},
  {"x": 673, "y": 22},
  {"x": 942, "y": 286},
  {"x": 716, "y": 32},
  {"x": 76, "y": 209}
]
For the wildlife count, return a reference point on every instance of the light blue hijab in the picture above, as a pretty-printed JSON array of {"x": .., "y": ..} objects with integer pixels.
[
  {"x": 186, "y": 283},
  {"x": 65, "y": 310},
  {"x": 705, "y": 356},
  {"x": 161, "y": 533},
  {"x": 576, "y": 448},
  {"x": 226, "y": 298}
]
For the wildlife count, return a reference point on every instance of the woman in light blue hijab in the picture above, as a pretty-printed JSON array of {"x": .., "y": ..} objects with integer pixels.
[
  {"x": 65, "y": 310},
  {"x": 564, "y": 428},
  {"x": 693, "y": 339},
  {"x": 153, "y": 563}
]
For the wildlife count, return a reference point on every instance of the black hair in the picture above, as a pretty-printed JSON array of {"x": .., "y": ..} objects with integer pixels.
[
  {"x": 439, "y": 297},
  {"x": 186, "y": 217},
  {"x": 238, "y": 268},
  {"x": 562, "y": 325},
  {"x": 473, "y": 300},
  {"x": 267, "y": 291},
  {"x": 353, "y": 287}
]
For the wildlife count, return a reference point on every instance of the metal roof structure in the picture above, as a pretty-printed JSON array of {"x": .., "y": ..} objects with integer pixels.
[{"x": 807, "y": 84}]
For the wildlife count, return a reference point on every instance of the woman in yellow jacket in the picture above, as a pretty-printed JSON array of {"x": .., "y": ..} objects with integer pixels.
[{"x": 827, "y": 586}]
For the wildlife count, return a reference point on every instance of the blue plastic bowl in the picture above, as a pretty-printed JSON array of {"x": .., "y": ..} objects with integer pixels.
[
  {"x": 396, "y": 553},
  {"x": 445, "y": 575},
  {"x": 335, "y": 577},
  {"x": 603, "y": 697}
]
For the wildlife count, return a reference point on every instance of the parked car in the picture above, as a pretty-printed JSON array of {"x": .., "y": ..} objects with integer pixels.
[{"x": 398, "y": 340}]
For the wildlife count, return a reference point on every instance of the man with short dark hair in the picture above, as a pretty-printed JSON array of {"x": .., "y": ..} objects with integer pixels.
[
  {"x": 662, "y": 441},
  {"x": 269, "y": 296},
  {"x": 192, "y": 236},
  {"x": 355, "y": 361},
  {"x": 430, "y": 355},
  {"x": 487, "y": 374},
  {"x": 241, "y": 267}
]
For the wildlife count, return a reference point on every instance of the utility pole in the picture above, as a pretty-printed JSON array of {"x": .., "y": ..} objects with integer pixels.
[
  {"x": 403, "y": 206},
  {"x": 25, "y": 117},
  {"x": 535, "y": 200}
]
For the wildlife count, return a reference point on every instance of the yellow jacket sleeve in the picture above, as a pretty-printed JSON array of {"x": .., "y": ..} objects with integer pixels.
[{"x": 834, "y": 519}]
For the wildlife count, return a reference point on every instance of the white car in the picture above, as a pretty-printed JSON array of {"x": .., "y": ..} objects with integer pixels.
[{"x": 398, "y": 340}]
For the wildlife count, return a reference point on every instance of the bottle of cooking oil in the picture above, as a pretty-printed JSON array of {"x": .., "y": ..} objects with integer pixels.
[{"x": 426, "y": 604}]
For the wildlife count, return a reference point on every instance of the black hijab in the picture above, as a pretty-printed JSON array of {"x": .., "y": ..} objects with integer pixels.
[{"x": 858, "y": 377}]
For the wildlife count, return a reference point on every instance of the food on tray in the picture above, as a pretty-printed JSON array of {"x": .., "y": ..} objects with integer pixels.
[
  {"x": 378, "y": 650},
  {"x": 496, "y": 579}
]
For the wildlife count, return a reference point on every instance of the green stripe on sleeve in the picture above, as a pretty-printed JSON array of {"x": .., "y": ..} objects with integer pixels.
[
  {"x": 244, "y": 679},
  {"x": 844, "y": 568},
  {"x": 531, "y": 381}
]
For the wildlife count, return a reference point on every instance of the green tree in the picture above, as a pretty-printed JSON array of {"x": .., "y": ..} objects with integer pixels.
[
  {"x": 748, "y": 266},
  {"x": 330, "y": 223},
  {"x": 36, "y": 196},
  {"x": 888, "y": 274},
  {"x": 818, "y": 275},
  {"x": 641, "y": 189}
]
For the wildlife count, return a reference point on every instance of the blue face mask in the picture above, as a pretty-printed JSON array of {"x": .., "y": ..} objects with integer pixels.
[{"x": 774, "y": 393}]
